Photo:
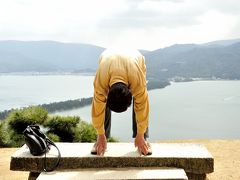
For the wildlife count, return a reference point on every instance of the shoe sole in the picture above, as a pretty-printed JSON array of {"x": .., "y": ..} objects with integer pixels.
[
  {"x": 94, "y": 153},
  {"x": 148, "y": 154}
]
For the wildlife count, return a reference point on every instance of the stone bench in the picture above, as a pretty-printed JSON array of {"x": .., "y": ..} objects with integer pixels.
[
  {"x": 117, "y": 173},
  {"x": 193, "y": 158}
]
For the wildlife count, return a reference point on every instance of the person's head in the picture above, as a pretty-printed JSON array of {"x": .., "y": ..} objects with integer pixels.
[{"x": 119, "y": 97}]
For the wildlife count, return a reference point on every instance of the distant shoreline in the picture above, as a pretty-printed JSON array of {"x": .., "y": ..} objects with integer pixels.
[
  {"x": 174, "y": 79},
  {"x": 92, "y": 73}
]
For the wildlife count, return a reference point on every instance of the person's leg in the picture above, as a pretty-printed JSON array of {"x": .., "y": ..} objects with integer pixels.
[
  {"x": 134, "y": 125},
  {"x": 107, "y": 122}
]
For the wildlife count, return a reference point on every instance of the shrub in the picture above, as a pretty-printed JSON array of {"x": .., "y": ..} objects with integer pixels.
[
  {"x": 16, "y": 139},
  {"x": 53, "y": 137},
  {"x": 57, "y": 128},
  {"x": 18, "y": 120},
  {"x": 4, "y": 136},
  {"x": 112, "y": 139},
  {"x": 63, "y": 127},
  {"x": 87, "y": 132}
]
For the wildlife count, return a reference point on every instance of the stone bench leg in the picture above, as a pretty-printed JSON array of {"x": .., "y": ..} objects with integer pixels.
[
  {"x": 192, "y": 176},
  {"x": 33, "y": 175}
]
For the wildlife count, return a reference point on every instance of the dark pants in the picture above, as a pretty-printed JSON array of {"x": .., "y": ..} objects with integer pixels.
[{"x": 107, "y": 123}]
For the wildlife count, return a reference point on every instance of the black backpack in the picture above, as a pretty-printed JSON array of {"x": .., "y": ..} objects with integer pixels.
[{"x": 39, "y": 144}]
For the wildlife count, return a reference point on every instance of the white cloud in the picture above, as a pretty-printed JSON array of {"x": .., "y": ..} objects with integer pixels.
[{"x": 146, "y": 24}]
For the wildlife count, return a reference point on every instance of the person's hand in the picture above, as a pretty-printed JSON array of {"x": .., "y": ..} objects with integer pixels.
[
  {"x": 101, "y": 144},
  {"x": 141, "y": 144}
]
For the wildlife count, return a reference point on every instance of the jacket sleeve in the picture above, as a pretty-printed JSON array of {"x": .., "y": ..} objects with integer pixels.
[
  {"x": 143, "y": 66},
  {"x": 140, "y": 95},
  {"x": 99, "y": 100}
]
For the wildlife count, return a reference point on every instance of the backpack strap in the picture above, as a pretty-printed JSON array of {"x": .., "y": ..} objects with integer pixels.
[{"x": 49, "y": 142}]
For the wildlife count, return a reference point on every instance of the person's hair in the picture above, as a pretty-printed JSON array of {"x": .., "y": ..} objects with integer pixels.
[{"x": 119, "y": 97}]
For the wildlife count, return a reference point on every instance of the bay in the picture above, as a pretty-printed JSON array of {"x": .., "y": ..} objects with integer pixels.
[
  {"x": 187, "y": 110},
  {"x": 24, "y": 90}
]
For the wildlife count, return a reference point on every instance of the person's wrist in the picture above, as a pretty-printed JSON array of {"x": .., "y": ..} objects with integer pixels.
[
  {"x": 101, "y": 136},
  {"x": 140, "y": 135}
]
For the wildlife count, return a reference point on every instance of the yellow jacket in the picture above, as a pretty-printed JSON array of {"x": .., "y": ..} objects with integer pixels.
[{"x": 128, "y": 68}]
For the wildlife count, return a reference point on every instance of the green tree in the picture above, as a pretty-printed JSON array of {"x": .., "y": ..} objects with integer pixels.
[
  {"x": 18, "y": 120},
  {"x": 64, "y": 127}
]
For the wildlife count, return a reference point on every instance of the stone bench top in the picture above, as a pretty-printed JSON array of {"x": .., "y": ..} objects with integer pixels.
[
  {"x": 191, "y": 157},
  {"x": 117, "y": 173}
]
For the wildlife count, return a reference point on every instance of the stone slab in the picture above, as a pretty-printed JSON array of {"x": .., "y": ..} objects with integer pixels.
[
  {"x": 119, "y": 173},
  {"x": 193, "y": 158}
]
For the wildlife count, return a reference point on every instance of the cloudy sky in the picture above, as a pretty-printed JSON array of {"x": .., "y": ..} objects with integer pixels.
[{"x": 142, "y": 24}]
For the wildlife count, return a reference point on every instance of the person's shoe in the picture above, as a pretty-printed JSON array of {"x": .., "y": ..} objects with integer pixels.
[
  {"x": 94, "y": 150},
  {"x": 149, "y": 149}
]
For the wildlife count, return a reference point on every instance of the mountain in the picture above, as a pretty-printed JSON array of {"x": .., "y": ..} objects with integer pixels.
[
  {"x": 222, "y": 42},
  {"x": 195, "y": 61},
  {"x": 220, "y": 59},
  {"x": 47, "y": 56}
]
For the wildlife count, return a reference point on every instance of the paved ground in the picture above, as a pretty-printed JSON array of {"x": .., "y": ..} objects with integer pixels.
[{"x": 226, "y": 155}]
